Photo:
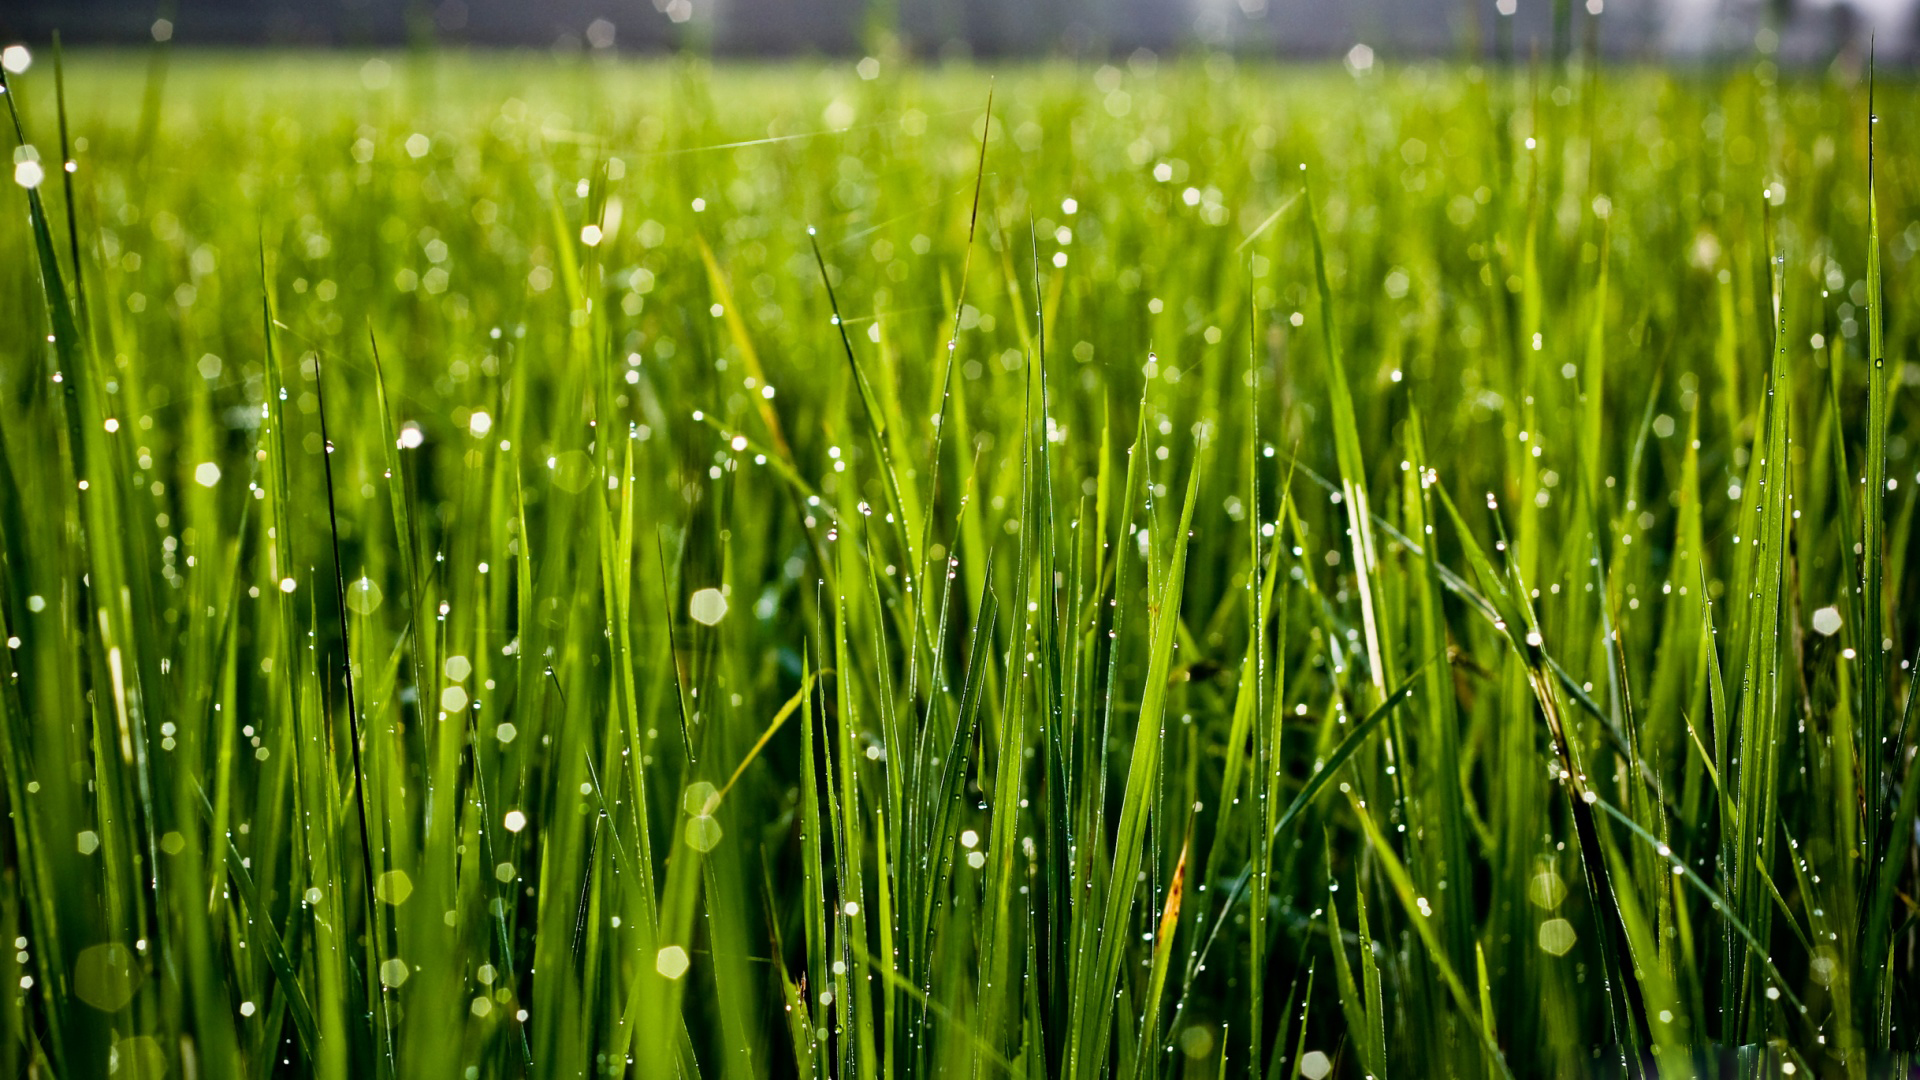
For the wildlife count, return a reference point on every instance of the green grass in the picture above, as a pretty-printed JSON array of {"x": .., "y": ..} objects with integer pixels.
[{"x": 523, "y": 566}]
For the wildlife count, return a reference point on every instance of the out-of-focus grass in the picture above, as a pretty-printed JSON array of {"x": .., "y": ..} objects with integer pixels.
[{"x": 1246, "y": 571}]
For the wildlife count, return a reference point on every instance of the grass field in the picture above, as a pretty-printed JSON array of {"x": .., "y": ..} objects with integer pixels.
[{"x": 516, "y": 566}]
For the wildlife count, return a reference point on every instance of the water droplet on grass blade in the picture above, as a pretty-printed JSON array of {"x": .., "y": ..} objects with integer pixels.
[
  {"x": 105, "y": 976},
  {"x": 1826, "y": 621},
  {"x": 703, "y": 832},
  {"x": 672, "y": 962},
  {"x": 363, "y": 596},
  {"x": 707, "y": 606},
  {"x": 392, "y": 888}
]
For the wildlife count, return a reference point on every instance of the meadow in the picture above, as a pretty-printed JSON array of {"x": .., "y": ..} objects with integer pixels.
[{"x": 524, "y": 565}]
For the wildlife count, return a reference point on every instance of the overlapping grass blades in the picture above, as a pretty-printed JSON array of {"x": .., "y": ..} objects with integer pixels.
[{"x": 489, "y": 592}]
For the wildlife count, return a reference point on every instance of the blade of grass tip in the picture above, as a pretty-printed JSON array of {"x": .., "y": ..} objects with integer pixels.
[
  {"x": 1010, "y": 752},
  {"x": 1058, "y": 687},
  {"x": 1260, "y": 588},
  {"x": 62, "y": 357},
  {"x": 1353, "y": 476},
  {"x": 1678, "y": 688},
  {"x": 617, "y": 561},
  {"x": 1048, "y": 523},
  {"x": 1052, "y": 687},
  {"x": 404, "y": 533},
  {"x": 274, "y": 436},
  {"x": 329, "y": 1052},
  {"x": 924, "y": 566},
  {"x": 375, "y": 936},
  {"x": 1846, "y": 766},
  {"x": 102, "y": 576},
  {"x": 1872, "y": 521},
  {"x": 420, "y": 624},
  {"x": 107, "y": 576},
  {"x": 1720, "y": 764},
  {"x": 871, "y": 409},
  {"x": 1268, "y": 223},
  {"x": 1272, "y": 775},
  {"x": 1762, "y": 715},
  {"x": 64, "y": 341},
  {"x": 1249, "y": 695},
  {"x": 572, "y": 277},
  {"x": 68, "y": 167},
  {"x": 743, "y": 341},
  {"x": 1888, "y": 854},
  {"x": 1593, "y": 389}
]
